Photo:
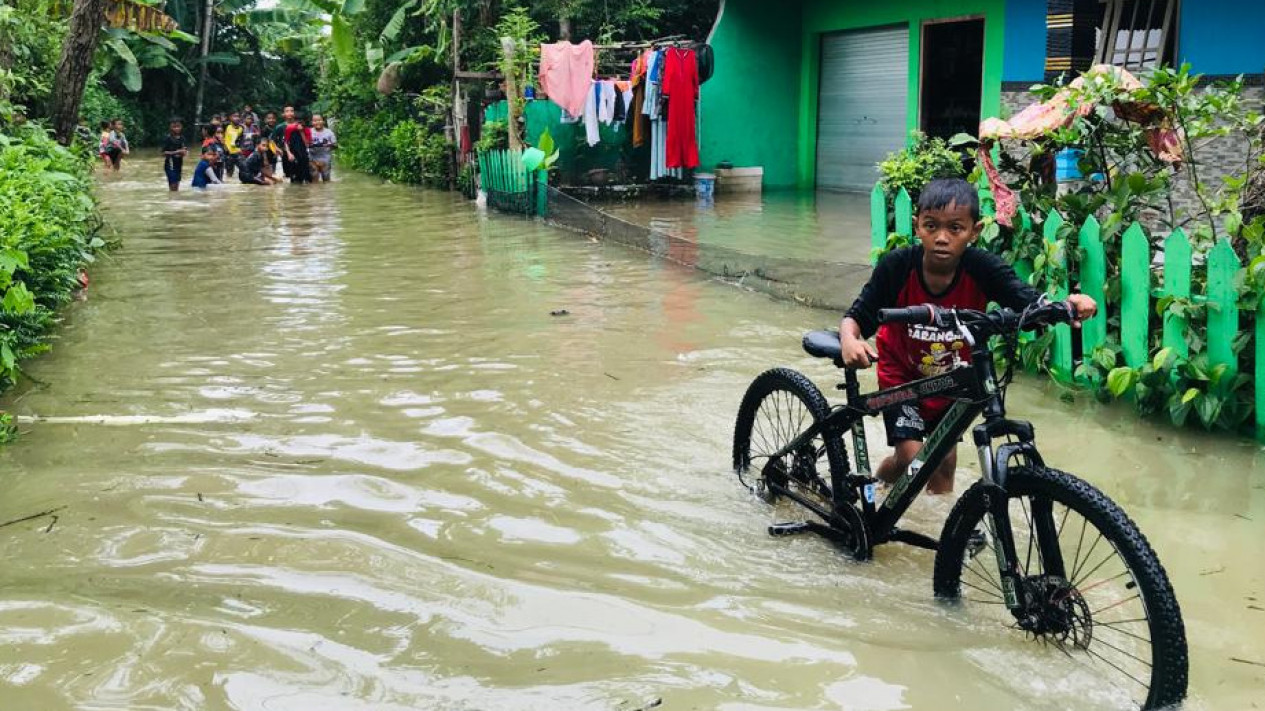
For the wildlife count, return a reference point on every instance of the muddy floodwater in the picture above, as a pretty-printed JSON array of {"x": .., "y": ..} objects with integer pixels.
[{"x": 326, "y": 447}]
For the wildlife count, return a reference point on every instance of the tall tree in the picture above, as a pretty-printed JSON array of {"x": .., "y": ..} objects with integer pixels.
[{"x": 75, "y": 65}]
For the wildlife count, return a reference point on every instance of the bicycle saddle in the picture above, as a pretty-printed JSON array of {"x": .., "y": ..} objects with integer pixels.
[{"x": 823, "y": 344}]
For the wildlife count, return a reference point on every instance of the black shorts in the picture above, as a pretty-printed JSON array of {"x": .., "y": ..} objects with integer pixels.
[{"x": 906, "y": 422}]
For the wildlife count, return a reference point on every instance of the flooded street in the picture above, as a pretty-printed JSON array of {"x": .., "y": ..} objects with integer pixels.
[{"x": 326, "y": 447}]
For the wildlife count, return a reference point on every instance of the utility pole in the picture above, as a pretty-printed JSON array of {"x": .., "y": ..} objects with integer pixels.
[{"x": 208, "y": 20}]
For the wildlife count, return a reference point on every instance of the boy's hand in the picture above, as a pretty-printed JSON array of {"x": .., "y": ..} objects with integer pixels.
[
  {"x": 856, "y": 353},
  {"x": 1085, "y": 307}
]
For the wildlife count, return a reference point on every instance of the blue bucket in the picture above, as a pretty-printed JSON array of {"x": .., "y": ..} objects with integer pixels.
[
  {"x": 1066, "y": 165},
  {"x": 704, "y": 185}
]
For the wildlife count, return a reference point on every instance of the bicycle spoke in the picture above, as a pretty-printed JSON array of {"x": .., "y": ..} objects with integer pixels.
[
  {"x": 975, "y": 587},
  {"x": 1110, "y": 628},
  {"x": 1083, "y": 578},
  {"x": 1111, "y": 664},
  {"x": 1114, "y": 604},
  {"x": 1088, "y": 554},
  {"x": 983, "y": 577},
  {"x": 1031, "y": 537}
]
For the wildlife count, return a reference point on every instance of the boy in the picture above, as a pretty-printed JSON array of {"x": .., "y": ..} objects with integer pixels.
[
  {"x": 249, "y": 137},
  {"x": 269, "y": 134},
  {"x": 251, "y": 170},
  {"x": 205, "y": 174},
  {"x": 945, "y": 270},
  {"x": 249, "y": 115},
  {"x": 232, "y": 136},
  {"x": 174, "y": 151},
  {"x": 120, "y": 140},
  {"x": 323, "y": 144},
  {"x": 279, "y": 137}
]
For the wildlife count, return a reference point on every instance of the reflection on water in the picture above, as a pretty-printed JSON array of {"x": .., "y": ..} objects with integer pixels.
[
  {"x": 325, "y": 447},
  {"x": 824, "y": 226}
]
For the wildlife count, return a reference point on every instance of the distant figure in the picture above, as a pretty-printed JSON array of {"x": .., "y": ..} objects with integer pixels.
[
  {"x": 279, "y": 135},
  {"x": 269, "y": 133},
  {"x": 323, "y": 144},
  {"x": 205, "y": 174},
  {"x": 297, "y": 139},
  {"x": 250, "y": 136},
  {"x": 174, "y": 151},
  {"x": 232, "y": 142},
  {"x": 248, "y": 112},
  {"x": 105, "y": 145},
  {"x": 120, "y": 141}
]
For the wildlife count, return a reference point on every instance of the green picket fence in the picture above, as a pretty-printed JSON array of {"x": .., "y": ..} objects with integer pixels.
[
  {"x": 1139, "y": 293},
  {"x": 509, "y": 185}
]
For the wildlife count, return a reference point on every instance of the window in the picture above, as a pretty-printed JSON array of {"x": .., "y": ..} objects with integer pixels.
[{"x": 1137, "y": 34}]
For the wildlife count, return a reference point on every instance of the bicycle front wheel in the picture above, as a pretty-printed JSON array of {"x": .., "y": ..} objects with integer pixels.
[{"x": 1098, "y": 598}]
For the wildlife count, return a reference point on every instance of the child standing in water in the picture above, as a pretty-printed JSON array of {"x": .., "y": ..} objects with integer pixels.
[
  {"x": 174, "y": 151},
  {"x": 323, "y": 144},
  {"x": 120, "y": 142},
  {"x": 105, "y": 145}
]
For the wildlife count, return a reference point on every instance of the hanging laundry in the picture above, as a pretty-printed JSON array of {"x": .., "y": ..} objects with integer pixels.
[
  {"x": 650, "y": 107},
  {"x": 606, "y": 102},
  {"x": 680, "y": 84},
  {"x": 566, "y": 73},
  {"x": 640, "y": 122},
  {"x": 592, "y": 134},
  {"x": 659, "y": 151}
]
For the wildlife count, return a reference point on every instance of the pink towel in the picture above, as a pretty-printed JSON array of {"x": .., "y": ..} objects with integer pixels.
[{"x": 566, "y": 74}]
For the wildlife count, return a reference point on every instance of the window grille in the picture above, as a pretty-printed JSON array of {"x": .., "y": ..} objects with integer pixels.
[{"x": 1137, "y": 34}]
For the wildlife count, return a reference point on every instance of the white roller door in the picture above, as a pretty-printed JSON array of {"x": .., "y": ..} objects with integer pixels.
[{"x": 861, "y": 104}]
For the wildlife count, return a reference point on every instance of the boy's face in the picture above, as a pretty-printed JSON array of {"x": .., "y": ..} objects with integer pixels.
[
  {"x": 945, "y": 233},
  {"x": 118, "y": 125},
  {"x": 176, "y": 127},
  {"x": 288, "y": 113},
  {"x": 235, "y": 119},
  {"x": 270, "y": 120}
]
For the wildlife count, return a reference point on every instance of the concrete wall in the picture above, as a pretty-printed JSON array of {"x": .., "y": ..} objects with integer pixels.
[{"x": 1223, "y": 36}]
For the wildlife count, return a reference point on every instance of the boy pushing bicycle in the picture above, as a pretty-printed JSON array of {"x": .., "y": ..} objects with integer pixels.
[{"x": 945, "y": 270}]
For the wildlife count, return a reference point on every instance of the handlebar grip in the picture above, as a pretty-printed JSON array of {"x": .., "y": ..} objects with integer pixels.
[{"x": 924, "y": 313}]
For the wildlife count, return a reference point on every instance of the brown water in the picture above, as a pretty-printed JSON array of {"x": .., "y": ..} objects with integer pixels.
[{"x": 325, "y": 448}]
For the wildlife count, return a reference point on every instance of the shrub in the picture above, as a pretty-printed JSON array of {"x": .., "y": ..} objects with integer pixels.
[
  {"x": 913, "y": 167},
  {"x": 48, "y": 232}
]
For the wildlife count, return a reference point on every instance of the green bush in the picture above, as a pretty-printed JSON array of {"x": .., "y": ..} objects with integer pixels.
[
  {"x": 48, "y": 232},
  {"x": 913, "y": 167},
  {"x": 402, "y": 151}
]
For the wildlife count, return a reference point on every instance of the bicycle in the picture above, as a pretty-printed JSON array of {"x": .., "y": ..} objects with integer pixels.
[{"x": 1120, "y": 619}]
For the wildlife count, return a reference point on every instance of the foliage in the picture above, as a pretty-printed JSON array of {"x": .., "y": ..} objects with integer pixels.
[
  {"x": 402, "y": 151},
  {"x": 495, "y": 137},
  {"x": 1129, "y": 183},
  {"x": 913, "y": 167},
  {"x": 48, "y": 233}
]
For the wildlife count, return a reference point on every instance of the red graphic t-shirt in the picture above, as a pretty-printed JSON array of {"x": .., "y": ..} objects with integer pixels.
[{"x": 911, "y": 352}]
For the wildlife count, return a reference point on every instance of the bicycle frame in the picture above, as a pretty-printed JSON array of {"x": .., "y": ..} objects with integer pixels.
[{"x": 974, "y": 391}]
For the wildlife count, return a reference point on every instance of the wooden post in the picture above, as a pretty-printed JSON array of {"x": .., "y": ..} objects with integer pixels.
[
  {"x": 904, "y": 214},
  {"x": 1177, "y": 284},
  {"x": 1093, "y": 278},
  {"x": 1061, "y": 351},
  {"x": 508, "y": 49},
  {"x": 1135, "y": 297},
  {"x": 1223, "y": 310},
  {"x": 878, "y": 220}
]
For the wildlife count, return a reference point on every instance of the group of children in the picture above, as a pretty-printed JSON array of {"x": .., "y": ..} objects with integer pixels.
[
  {"x": 252, "y": 150},
  {"x": 113, "y": 144}
]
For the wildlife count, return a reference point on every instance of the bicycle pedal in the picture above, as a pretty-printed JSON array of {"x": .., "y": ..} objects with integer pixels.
[{"x": 790, "y": 529}]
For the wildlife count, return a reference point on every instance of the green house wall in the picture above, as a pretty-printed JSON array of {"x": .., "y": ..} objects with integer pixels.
[
  {"x": 749, "y": 108},
  {"x": 760, "y": 108}
]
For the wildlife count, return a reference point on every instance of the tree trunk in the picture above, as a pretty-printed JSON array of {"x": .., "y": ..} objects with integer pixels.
[
  {"x": 208, "y": 26},
  {"x": 75, "y": 65},
  {"x": 564, "y": 29}
]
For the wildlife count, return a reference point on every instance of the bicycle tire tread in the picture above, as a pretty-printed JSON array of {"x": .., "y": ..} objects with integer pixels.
[{"x": 1170, "y": 672}]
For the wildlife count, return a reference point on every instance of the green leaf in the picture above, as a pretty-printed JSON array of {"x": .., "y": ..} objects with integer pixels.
[
  {"x": 130, "y": 75},
  {"x": 343, "y": 41},
  {"x": 409, "y": 54},
  {"x": 1161, "y": 359},
  {"x": 18, "y": 300},
  {"x": 373, "y": 56},
  {"x": 159, "y": 40},
  {"x": 121, "y": 49},
  {"x": 1121, "y": 380},
  {"x": 1190, "y": 394},
  {"x": 545, "y": 142},
  {"x": 962, "y": 139},
  {"x": 351, "y": 7},
  {"x": 7, "y": 358},
  {"x": 392, "y": 29},
  {"x": 227, "y": 58}
]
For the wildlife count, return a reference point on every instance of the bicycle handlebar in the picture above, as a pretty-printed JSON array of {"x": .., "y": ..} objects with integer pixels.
[{"x": 996, "y": 322}]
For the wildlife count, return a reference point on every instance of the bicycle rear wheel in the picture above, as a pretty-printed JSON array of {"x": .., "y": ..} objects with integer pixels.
[
  {"x": 778, "y": 406},
  {"x": 1100, "y": 602}
]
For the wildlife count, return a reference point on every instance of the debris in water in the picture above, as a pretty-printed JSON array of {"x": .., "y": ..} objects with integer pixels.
[
  {"x": 610, "y": 376},
  {"x": 32, "y": 517},
  {"x": 1247, "y": 661},
  {"x": 1213, "y": 571},
  {"x": 200, "y": 499},
  {"x": 51, "y": 524},
  {"x": 560, "y": 312}
]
